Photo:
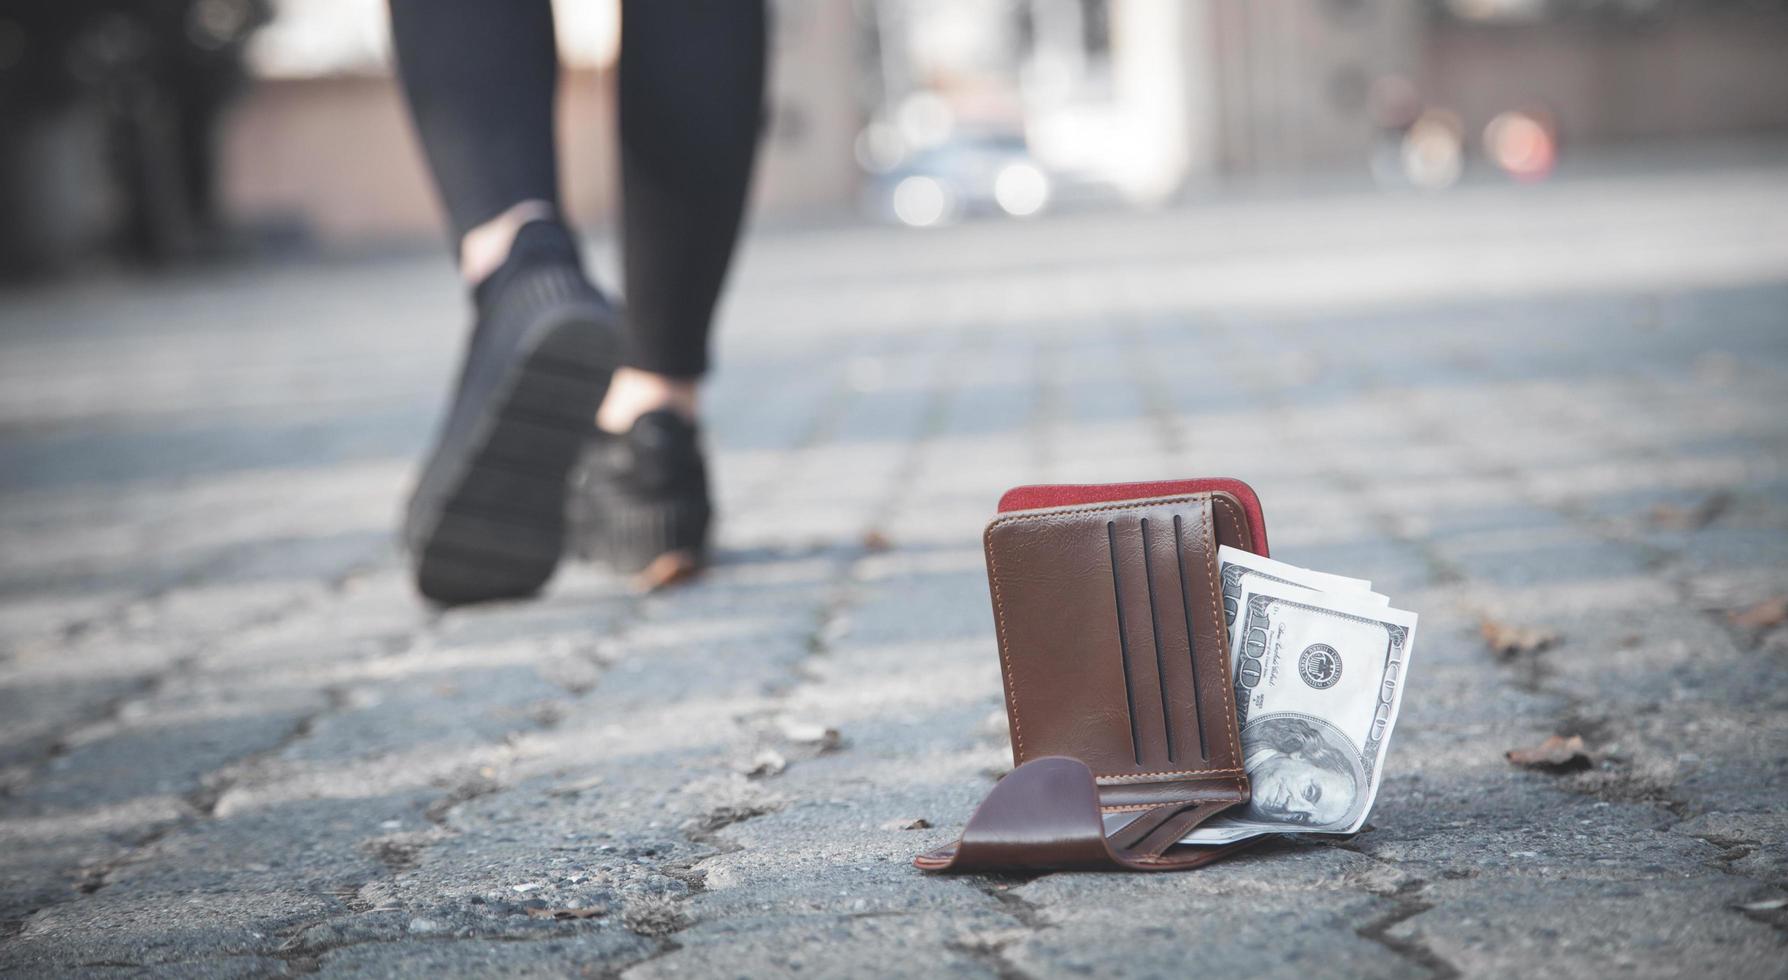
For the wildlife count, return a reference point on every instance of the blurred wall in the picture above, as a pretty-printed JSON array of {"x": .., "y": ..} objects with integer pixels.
[
  {"x": 1218, "y": 87},
  {"x": 808, "y": 162},
  {"x": 333, "y": 156},
  {"x": 1292, "y": 78},
  {"x": 1718, "y": 71}
]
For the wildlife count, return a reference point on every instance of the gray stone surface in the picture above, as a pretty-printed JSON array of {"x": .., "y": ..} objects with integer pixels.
[{"x": 232, "y": 743}]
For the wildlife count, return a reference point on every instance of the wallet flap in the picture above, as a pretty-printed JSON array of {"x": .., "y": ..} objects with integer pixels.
[
  {"x": 1044, "y": 816},
  {"x": 1111, "y": 637}
]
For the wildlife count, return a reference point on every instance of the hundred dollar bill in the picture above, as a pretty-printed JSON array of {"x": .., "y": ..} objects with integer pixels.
[
  {"x": 1318, "y": 677},
  {"x": 1240, "y": 567}
]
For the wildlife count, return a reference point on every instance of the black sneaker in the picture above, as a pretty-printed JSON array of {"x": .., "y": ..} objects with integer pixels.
[
  {"x": 639, "y": 501},
  {"x": 486, "y": 520}
]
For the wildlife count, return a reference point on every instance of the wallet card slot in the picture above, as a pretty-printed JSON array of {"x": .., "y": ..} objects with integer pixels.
[
  {"x": 1108, "y": 670},
  {"x": 1207, "y": 787},
  {"x": 1123, "y": 635},
  {"x": 1155, "y": 691},
  {"x": 1185, "y": 596},
  {"x": 1148, "y": 571}
]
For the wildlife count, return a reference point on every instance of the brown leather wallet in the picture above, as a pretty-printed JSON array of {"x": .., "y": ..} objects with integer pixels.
[{"x": 1108, "y": 612}]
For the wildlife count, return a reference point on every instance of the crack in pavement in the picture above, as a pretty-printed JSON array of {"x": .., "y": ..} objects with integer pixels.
[
  {"x": 829, "y": 619},
  {"x": 651, "y": 916},
  {"x": 201, "y": 802},
  {"x": 656, "y": 916},
  {"x": 214, "y": 785},
  {"x": 990, "y": 951},
  {"x": 1623, "y": 784},
  {"x": 1407, "y": 903}
]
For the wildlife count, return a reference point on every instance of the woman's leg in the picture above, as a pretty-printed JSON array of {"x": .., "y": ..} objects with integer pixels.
[
  {"x": 480, "y": 76},
  {"x": 487, "y": 519},
  {"x": 692, "y": 103},
  {"x": 692, "y": 89}
]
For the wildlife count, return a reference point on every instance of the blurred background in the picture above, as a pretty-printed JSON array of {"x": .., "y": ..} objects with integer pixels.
[
  {"x": 1488, "y": 299},
  {"x": 161, "y": 130}
]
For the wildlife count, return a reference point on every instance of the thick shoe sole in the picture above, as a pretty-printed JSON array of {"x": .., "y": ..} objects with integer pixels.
[
  {"x": 487, "y": 520},
  {"x": 631, "y": 536}
]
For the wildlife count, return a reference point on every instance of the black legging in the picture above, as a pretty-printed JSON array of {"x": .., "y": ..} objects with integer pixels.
[{"x": 480, "y": 76}]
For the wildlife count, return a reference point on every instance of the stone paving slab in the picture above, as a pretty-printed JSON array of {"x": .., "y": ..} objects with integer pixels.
[{"x": 233, "y": 744}]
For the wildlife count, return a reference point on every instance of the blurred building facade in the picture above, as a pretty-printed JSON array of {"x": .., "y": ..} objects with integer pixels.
[
  {"x": 1008, "y": 104},
  {"x": 322, "y": 145}
]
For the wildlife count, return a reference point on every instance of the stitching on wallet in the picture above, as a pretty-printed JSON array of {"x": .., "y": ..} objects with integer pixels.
[
  {"x": 1125, "y": 807},
  {"x": 999, "y": 613},
  {"x": 1210, "y": 562},
  {"x": 1094, "y": 508},
  {"x": 1117, "y": 778},
  {"x": 1195, "y": 800},
  {"x": 1184, "y": 594},
  {"x": 999, "y": 604}
]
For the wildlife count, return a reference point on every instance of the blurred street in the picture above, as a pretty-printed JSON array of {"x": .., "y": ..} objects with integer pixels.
[{"x": 234, "y": 743}]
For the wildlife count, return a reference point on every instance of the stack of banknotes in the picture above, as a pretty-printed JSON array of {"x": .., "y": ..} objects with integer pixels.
[{"x": 1319, "y": 663}]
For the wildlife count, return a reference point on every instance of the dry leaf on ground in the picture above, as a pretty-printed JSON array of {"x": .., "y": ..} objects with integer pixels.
[
  {"x": 1505, "y": 640},
  {"x": 907, "y": 823},
  {"x": 1556, "y": 754},
  {"x": 1763, "y": 615}
]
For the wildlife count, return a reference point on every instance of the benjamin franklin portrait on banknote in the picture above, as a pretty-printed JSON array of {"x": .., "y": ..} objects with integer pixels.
[{"x": 1303, "y": 771}]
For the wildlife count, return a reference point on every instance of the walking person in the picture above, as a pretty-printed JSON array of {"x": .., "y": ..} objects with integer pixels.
[{"x": 564, "y": 394}]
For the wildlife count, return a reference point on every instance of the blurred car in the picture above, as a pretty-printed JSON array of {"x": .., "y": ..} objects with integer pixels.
[{"x": 973, "y": 176}]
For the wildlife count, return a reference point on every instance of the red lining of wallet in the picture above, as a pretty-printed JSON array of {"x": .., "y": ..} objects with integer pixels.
[{"x": 1061, "y": 494}]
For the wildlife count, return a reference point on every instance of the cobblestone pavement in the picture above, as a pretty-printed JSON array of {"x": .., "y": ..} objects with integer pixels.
[{"x": 233, "y": 743}]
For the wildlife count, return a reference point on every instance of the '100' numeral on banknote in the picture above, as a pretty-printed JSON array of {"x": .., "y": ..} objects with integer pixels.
[{"x": 1318, "y": 664}]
